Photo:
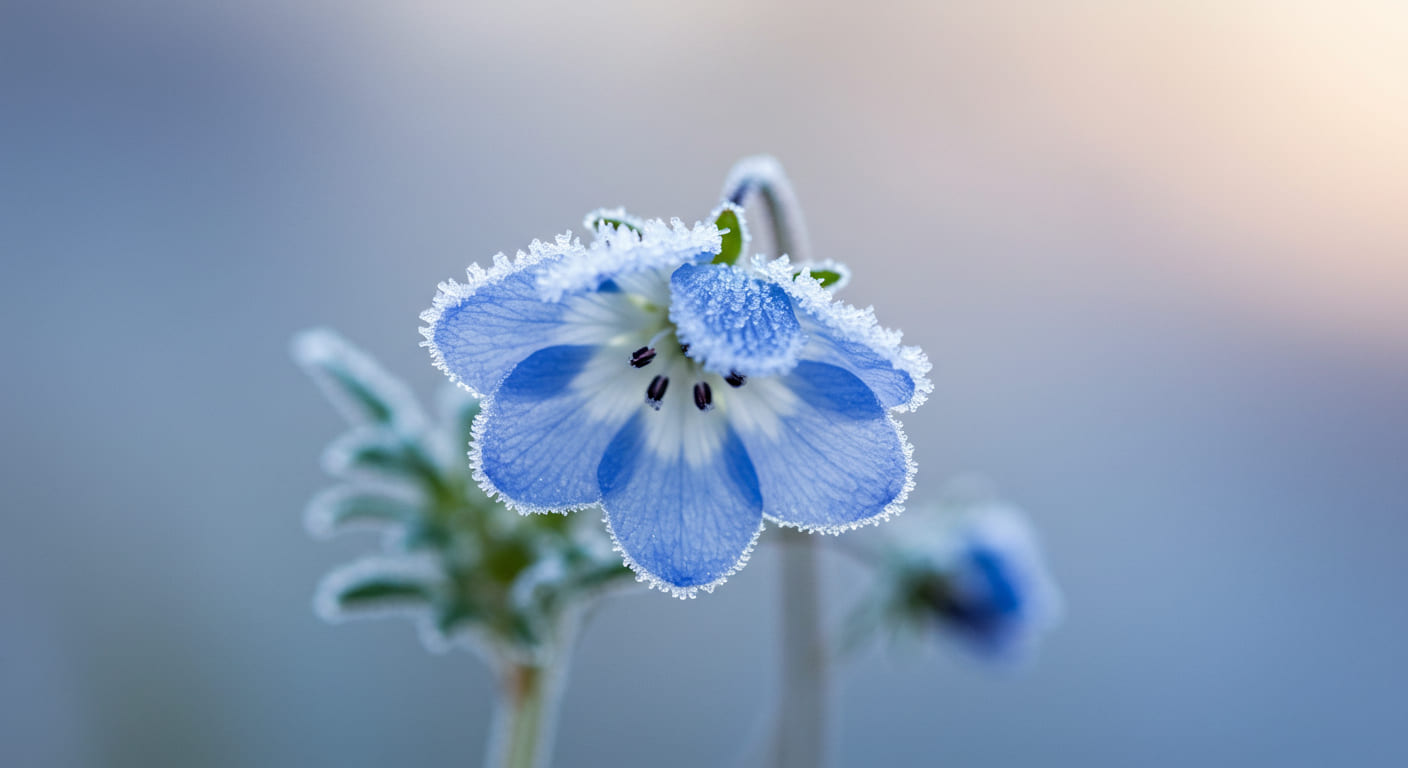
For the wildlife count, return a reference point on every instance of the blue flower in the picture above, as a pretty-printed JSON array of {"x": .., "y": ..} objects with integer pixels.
[
  {"x": 984, "y": 581},
  {"x": 690, "y": 400}
]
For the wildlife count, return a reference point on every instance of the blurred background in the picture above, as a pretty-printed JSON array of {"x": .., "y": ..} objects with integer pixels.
[{"x": 1157, "y": 252}]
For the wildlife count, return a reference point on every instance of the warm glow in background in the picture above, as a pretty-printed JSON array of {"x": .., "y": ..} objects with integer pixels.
[{"x": 1157, "y": 251}]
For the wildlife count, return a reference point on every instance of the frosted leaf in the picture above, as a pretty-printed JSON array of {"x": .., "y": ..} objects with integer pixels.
[
  {"x": 349, "y": 507},
  {"x": 377, "y": 586},
  {"x": 484, "y": 353},
  {"x": 356, "y": 385},
  {"x": 375, "y": 452}
]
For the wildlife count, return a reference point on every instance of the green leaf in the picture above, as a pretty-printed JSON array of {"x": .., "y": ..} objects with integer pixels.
[
  {"x": 382, "y": 453},
  {"x": 616, "y": 217},
  {"x": 455, "y": 613},
  {"x": 730, "y": 224},
  {"x": 354, "y": 382},
  {"x": 829, "y": 273},
  {"x": 377, "y": 593},
  {"x": 348, "y": 506}
]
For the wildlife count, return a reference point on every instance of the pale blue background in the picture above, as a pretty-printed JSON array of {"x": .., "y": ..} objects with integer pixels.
[{"x": 1153, "y": 252}]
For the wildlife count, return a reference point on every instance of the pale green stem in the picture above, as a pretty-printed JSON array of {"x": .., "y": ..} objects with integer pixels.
[{"x": 523, "y": 723}]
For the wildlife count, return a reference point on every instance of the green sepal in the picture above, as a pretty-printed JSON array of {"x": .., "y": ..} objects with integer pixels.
[
  {"x": 830, "y": 274},
  {"x": 615, "y": 217},
  {"x": 733, "y": 233}
]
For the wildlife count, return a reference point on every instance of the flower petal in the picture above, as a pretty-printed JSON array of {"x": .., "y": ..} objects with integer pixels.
[
  {"x": 733, "y": 321},
  {"x": 828, "y": 456},
  {"x": 539, "y": 439},
  {"x": 891, "y": 384},
  {"x": 683, "y": 507},
  {"x": 842, "y": 335},
  {"x": 619, "y": 252},
  {"x": 479, "y": 330}
]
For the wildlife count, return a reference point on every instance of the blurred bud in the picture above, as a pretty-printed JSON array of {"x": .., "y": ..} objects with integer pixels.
[
  {"x": 992, "y": 587},
  {"x": 975, "y": 571}
]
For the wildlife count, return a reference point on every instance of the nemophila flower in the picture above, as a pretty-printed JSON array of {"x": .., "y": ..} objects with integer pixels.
[
  {"x": 981, "y": 578},
  {"x": 690, "y": 397}
]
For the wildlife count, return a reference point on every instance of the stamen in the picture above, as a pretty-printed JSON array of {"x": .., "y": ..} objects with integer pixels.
[
  {"x": 703, "y": 396},
  {"x": 661, "y": 334},
  {"x": 735, "y": 379},
  {"x": 642, "y": 357},
  {"x": 684, "y": 349},
  {"x": 656, "y": 391}
]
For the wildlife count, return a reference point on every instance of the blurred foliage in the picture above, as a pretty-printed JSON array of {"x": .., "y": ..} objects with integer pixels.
[{"x": 465, "y": 567}]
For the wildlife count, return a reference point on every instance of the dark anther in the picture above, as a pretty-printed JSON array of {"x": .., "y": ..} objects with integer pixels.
[
  {"x": 656, "y": 391},
  {"x": 735, "y": 379},
  {"x": 642, "y": 357},
  {"x": 684, "y": 349},
  {"x": 703, "y": 396}
]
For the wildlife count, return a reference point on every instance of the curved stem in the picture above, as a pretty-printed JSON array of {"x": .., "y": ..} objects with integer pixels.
[
  {"x": 763, "y": 174},
  {"x": 799, "y": 738}
]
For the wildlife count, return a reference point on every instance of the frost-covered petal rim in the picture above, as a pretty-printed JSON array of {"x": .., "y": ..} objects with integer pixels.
[
  {"x": 851, "y": 324},
  {"x": 620, "y": 250},
  {"x": 830, "y": 458},
  {"x": 556, "y": 386},
  {"x": 713, "y": 532},
  {"x": 453, "y": 296},
  {"x": 649, "y": 579}
]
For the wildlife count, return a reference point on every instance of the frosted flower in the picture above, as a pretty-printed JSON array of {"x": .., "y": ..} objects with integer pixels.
[{"x": 691, "y": 400}]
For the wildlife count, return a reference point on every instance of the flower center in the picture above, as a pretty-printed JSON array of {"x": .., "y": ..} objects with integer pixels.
[{"x": 661, "y": 351}]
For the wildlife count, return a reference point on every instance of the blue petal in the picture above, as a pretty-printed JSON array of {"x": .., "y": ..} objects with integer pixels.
[
  {"x": 619, "y": 252},
  {"x": 852, "y": 338},
  {"x": 684, "y": 521},
  {"x": 478, "y": 333},
  {"x": 827, "y": 455},
  {"x": 734, "y": 322},
  {"x": 891, "y": 385},
  {"x": 543, "y": 433}
]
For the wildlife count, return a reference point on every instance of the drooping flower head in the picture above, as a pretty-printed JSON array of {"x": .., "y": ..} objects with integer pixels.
[{"x": 689, "y": 392}]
